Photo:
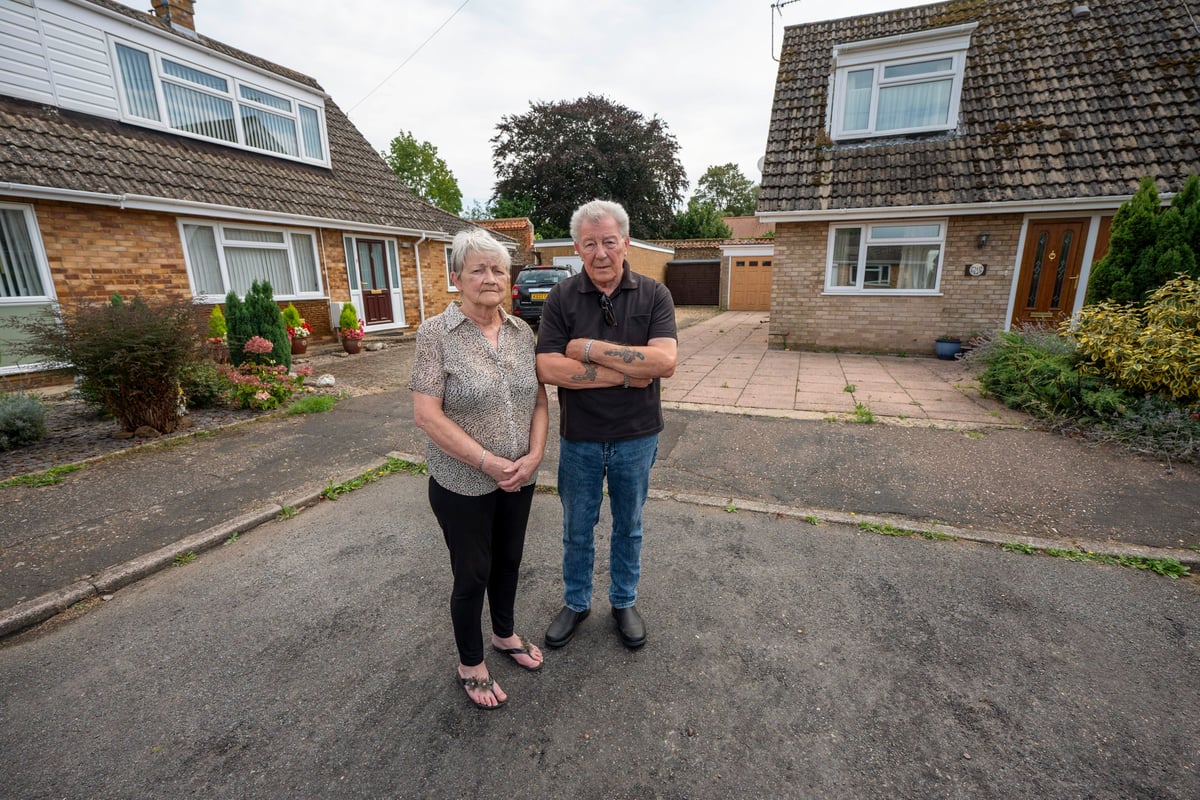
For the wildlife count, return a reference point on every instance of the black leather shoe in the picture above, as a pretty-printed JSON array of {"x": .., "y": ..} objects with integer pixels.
[
  {"x": 630, "y": 626},
  {"x": 563, "y": 627}
]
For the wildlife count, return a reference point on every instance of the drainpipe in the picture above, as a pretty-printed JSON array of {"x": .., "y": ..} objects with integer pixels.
[{"x": 420, "y": 286}]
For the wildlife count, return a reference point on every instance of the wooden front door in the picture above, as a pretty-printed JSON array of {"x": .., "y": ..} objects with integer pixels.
[
  {"x": 750, "y": 283},
  {"x": 1049, "y": 272},
  {"x": 373, "y": 275}
]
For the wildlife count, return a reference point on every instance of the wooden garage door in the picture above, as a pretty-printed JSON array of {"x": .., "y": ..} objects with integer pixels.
[{"x": 750, "y": 283}]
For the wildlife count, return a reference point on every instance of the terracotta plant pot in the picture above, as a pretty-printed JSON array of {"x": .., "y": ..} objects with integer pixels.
[
  {"x": 299, "y": 346},
  {"x": 352, "y": 346}
]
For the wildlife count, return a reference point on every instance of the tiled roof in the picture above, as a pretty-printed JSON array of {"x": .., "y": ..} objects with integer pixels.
[
  {"x": 49, "y": 147},
  {"x": 747, "y": 227},
  {"x": 1053, "y": 106},
  {"x": 679, "y": 244}
]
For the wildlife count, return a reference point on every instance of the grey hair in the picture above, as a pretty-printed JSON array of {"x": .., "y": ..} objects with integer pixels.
[
  {"x": 595, "y": 211},
  {"x": 476, "y": 240}
]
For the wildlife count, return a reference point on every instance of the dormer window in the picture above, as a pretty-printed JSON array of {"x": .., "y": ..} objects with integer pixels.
[
  {"x": 899, "y": 85},
  {"x": 162, "y": 91}
]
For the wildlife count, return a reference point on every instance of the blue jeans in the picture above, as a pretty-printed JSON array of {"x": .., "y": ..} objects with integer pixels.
[{"x": 582, "y": 467}]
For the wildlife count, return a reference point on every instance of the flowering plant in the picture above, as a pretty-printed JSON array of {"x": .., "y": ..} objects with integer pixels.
[
  {"x": 262, "y": 385},
  {"x": 301, "y": 331},
  {"x": 354, "y": 333}
]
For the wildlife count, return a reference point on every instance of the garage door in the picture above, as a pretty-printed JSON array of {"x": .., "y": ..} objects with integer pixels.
[{"x": 749, "y": 283}]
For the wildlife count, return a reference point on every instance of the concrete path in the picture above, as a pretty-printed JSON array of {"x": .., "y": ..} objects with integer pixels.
[{"x": 724, "y": 362}]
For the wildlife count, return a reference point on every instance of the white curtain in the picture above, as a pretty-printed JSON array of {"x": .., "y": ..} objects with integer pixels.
[
  {"x": 914, "y": 105},
  {"x": 247, "y": 265},
  {"x": 197, "y": 112},
  {"x": 306, "y": 264},
  {"x": 19, "y": 275},
  {"x": 138, "y": 80},
  {"x": 269, "y": 131},
  {"x": 918, "y": 267},
  {"x": 201, "y": 245},
  {"x": 845, "y": 256}
]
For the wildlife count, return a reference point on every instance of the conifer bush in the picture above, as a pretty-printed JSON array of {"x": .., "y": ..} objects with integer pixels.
[{"x": 257, "y": 315}]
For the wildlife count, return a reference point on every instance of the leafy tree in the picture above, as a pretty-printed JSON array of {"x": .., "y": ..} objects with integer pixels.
[
  {"x": 566, "y": 153},
  {"x": 502, "y": 208},
  {"x": 729, "y": 191},
  {"x": 1149, "y": 246},
  {"x": 420, "y": 168},
  {"x": 701, "y": 220}
]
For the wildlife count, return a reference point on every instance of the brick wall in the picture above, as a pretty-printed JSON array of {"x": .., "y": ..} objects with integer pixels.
[
  {"x": 805, "y": 319},
  {"x": 94, "y": 251},
  {"x": 436, "y": 284}
]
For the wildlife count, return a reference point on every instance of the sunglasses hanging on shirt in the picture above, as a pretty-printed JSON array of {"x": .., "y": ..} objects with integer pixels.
[{"x": 610, "y": 317}]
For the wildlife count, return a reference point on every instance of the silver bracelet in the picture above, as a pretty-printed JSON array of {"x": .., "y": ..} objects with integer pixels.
[
  {"x": 587, "y": 351},
  {"x": 482, "y": 458},
  {"x": 626, "y": 381}
]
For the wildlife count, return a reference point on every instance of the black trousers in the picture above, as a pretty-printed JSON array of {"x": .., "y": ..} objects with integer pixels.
[{"x": 486, "y": 538}]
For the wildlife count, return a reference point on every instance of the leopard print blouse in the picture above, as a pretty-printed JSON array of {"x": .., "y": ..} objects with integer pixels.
[{"x": 490, "y": 393}]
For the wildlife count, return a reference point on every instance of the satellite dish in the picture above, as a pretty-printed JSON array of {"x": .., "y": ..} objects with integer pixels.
[{"x": 761, "y": 160}]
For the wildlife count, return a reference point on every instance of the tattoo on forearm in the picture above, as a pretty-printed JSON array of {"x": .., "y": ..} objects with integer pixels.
[
  {"x": 626, "y": 354},
  {"x": 588, "y": 376}
]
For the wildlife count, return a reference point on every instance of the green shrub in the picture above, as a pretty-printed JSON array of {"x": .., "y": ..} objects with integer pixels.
[
  {"x": 22, "y": 420},
  {"x": 1149, "y": 349},
  {"x": 203, "y": 386},
  {"x": 1033, "y": 370},
  {"x": 348, "y": 318},
  {"x": 1149, "y": 245},
  {"x": 216, "y": 324},
  {"x": 129, "y": 357},
  {"x": 257, "y": 315},
  {"x": 291, "y": 316}
]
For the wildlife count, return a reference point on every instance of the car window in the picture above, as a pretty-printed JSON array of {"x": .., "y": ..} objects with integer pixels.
[{"x": 541, "y": 276}]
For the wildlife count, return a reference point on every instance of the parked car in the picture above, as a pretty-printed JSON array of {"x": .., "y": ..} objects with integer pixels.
[{"x": 530, "y": 290}]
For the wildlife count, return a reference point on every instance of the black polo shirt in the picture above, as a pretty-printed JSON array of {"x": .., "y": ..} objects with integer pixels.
[{"x": 644, "y": 311}]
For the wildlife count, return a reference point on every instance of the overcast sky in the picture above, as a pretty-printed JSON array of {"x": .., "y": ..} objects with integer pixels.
[{"x": 705, "y": 67}]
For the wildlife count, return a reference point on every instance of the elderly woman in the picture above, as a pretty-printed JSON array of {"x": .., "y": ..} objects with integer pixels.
[{"x": 477, "y": 397}]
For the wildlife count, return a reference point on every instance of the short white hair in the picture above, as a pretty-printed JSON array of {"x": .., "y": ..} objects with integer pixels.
[
  {"x": 595, "y": 212},
  {"x": 476, "y": 240}
]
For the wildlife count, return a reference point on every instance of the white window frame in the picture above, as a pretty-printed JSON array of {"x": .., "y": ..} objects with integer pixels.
[
  {"x": 878, "y": 55},
  {"x": 450, "y": 287},
  {"x": 233, "y": 94},
  {"x": 48, "y": 298},
  {"x": 39, "y": 256},
  {"x": 222, "y": 242},
  {"x": 881, "y": 272}
]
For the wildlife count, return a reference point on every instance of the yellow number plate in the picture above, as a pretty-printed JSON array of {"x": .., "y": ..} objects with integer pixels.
[{"x": 538, "y": 295}]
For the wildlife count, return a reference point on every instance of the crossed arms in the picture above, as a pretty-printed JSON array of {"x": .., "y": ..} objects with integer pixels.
[{"x": 609, "y": 365}]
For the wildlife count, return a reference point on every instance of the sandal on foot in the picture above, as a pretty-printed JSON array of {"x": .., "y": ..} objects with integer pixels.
[
  {"x": 474, "y": 684},
  {"x": 525, "y": 648}
]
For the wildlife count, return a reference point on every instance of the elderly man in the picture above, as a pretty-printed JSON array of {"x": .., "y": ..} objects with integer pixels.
[{"x": 606, "y": 337}]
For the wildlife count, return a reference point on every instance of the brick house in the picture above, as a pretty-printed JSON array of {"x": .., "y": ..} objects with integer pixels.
[
  {"x": 139, "y": 156},
  {"x": 954, "y": 167}
]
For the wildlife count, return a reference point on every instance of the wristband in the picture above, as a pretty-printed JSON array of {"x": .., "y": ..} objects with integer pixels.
[
  {"x": 587, "y": 350},
  {"x": 482, "y": 458}
]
